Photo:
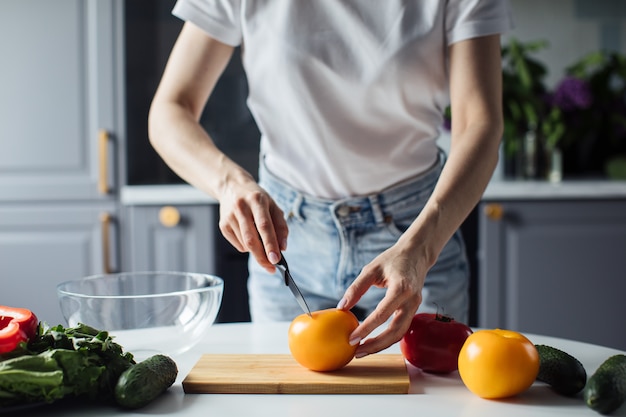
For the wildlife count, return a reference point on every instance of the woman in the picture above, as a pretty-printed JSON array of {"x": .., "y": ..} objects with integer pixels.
[{"x": 349, "y": 97}]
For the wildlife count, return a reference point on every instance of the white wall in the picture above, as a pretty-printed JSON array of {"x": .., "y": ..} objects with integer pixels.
[{"x": 573, "y": 29}]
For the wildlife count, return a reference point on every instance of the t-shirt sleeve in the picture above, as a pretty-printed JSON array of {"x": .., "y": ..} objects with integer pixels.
[
  {"x": 220, "y": 19},
  {"x": 466, "y": 19}
]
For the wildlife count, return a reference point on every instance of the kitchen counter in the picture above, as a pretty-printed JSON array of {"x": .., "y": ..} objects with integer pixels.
[
  {"x": 429, "y": 395},
  {"x": 496, "y": 190},
  {"x": 163, "y": 194},
  {"x": 564, "y": 190}
]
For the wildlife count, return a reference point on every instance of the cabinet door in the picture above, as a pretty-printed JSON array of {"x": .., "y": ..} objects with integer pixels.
[
  {"x": 171, "y": 238},
  {"x": 48, "y": 244},
  {"x": 555, "y": 268},
  {"x": 57, "y": 84},
  {"x": 186, "y": 238}
]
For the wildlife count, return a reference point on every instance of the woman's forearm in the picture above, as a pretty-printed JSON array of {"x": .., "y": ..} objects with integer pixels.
[
  {"x": 476, "y": 102},
  {"x": 463, "y": 180},
  {"x": 189, "y": 151},
  {"x": 192, "y": 71}
]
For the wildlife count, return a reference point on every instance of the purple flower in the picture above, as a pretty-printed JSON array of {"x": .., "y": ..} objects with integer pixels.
[
  {"x": 447, "y": 124},
  {"x": 572, "y": 94}
]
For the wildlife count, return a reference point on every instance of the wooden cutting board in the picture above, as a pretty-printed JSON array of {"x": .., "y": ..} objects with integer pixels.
[{"x": 281, "y": 374}]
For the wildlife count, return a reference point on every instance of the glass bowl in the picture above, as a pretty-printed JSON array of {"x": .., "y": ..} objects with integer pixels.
[{"x": 146, "y": 312}]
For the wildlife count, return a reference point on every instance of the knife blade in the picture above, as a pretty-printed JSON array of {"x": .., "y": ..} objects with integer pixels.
[{"x": 289, "y": 282}]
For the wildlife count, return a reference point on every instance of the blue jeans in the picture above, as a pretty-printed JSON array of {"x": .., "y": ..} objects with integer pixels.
[{"x": 331, "y": 241}]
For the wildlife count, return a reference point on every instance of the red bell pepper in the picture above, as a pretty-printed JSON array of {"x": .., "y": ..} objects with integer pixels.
[{"x": 16, "y": 325}]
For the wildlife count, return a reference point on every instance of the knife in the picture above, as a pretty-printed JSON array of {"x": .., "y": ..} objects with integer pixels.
[{"x": 282, "y": 265}]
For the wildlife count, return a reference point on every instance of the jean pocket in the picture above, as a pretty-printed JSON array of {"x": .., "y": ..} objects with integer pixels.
[
  {"x": 452, "y": 255},
  {"x": 282, "y": 198},
  {"x": 401, "y": 215},
  {"x": 397, "y": 225}
]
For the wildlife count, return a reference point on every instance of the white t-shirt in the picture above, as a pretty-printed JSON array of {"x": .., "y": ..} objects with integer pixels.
[{"x": 348, "y": 94}]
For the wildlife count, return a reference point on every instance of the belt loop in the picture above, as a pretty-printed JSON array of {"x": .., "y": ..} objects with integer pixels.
[
  {"x": 379, "y": 216},
  {"x": 443, "y": 157},
  {"x": 296, "y": 206}
]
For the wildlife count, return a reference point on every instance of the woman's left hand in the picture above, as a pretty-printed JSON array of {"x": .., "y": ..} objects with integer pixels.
[{"x": 403, "y": 275}]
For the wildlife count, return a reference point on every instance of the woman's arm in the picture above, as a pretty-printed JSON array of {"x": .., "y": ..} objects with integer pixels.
[
  {"x": 476, "y": 97},
  {"x": 194, "y": 67},
  {"x": 249, "y": 219}
]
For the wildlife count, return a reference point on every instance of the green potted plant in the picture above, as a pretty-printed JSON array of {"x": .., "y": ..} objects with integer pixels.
[
  {"x": 523, "y": 92},
  {"x": 598, "y": 131},
  {"x": 577, "y": 129},
  {"x": 534, "y": 129}
]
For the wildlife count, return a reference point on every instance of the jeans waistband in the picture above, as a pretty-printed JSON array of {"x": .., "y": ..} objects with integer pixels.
[{"x": 377, "y": 206}]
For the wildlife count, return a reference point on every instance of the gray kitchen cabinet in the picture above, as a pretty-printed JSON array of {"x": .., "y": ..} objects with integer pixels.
[
  {"x": 57, "y": 111},
  {"x": 171, "y": 238},
  {"x": 554, "y": 267},
  {"x": 59, "y": 135},
  {"x": 43, "y": 245},
  {"x": 186, "y": 238}
]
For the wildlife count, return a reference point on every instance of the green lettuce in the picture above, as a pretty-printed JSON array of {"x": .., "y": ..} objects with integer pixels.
[{"x": 60, "y": 362}]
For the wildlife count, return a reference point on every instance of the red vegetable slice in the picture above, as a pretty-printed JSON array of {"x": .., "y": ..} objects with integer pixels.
[{"x": 16, "y": 325}]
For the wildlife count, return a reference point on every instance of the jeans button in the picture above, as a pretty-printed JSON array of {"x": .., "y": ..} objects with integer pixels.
[{"x": 343, "y": 211}]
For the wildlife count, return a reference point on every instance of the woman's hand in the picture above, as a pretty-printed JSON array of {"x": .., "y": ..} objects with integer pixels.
[
  {"x": 252, "y": 222},
  {"x": 403, "y": 275}
]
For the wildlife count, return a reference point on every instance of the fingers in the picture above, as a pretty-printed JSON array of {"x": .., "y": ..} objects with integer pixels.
[
  {"x": 396, "y": 329},
  {"x": 260, "y": 236},
  {"x": 280, "y": 226},
  {"x": 395, "y": 303},
  {"x": 371, "y": 275},
  {"x": 400, "y": 303},
  {"x": 355, "y": 291},
  {"x": 255, "y": 224}
]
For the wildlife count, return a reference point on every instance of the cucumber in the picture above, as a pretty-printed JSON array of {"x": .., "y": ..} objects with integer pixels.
[
  {"x": 142, "y": 383},
  {"x": 563, "y": 372},
  {"x": 606, "y": 389}
]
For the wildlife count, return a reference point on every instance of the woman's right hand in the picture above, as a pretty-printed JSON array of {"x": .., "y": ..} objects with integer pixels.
[{"x": 252, "y": 222}]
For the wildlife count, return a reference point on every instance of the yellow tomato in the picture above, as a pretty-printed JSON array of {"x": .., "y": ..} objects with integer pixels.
[
  {"x": 498, "y": 363},
  {"x": 321, "y": 342}
]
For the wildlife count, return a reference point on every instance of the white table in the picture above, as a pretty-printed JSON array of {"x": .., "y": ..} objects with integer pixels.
[{"x": 429, "y": 395}]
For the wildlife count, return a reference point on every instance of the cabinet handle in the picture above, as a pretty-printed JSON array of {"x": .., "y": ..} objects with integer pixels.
[
  {"x": 494, "y": 211},
  {"x": 103, "y": 152},
  {"x": 105, "y": 223},
  {"x": 169, "y": 216}
]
